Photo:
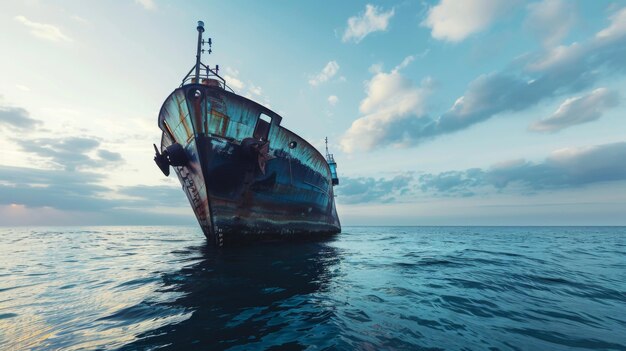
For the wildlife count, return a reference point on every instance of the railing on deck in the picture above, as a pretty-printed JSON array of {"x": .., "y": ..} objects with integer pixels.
[{"x": 207, "y": 76}]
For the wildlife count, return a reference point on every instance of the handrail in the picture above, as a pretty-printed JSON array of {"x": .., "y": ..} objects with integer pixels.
[{"x": 205, "y": 73}]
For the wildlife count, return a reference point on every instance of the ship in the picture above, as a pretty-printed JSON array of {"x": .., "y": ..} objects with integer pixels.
[{"x": 247, "y": 178}]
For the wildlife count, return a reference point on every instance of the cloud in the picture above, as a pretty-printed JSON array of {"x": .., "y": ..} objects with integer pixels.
[
  {"x": 452, "y": 182},
  {"x": 617, "y": 28},
  {"x": 17, "y": 118},
  {"x": 79, "y": 190},
  {"x": 249, "y": 90},
  {"x": 144, "y": 195},
  {"x": 486, "y": 96},
  {"x": 67, "y": 152},
  {"x": 563, "y": 169},
  {"x": 333, "y": 100},
  {"x": 606, "y": 47},
  {"x": 147, "y": 4},
  {"x": 52, "y": 188},
  {"x": 528, "y": 81},
  {"x": 231, "y": 77},
  {"x": 551, "y": 20},
  {"x": 327, "y": 73},
  {"x": 361, "y": 190},
  {"x": 233, "y": 82},
  {"x": 75, "y": 191},
  {"x": 392, "y": 110},
  {"x": 567, "y": 168},
  {"x": 372, "y": 20},
  {"x": 43, "y": 31},
  {"x": 255, "y": 90},
  {"x": 578, "y": 110},
  {"x": 558, "y": 56},
  {"x": 454, "y": 21},
  {"x": 109, "y": 155},
  {"x": 45, "y": 197},
  {"x": 70, "y": 153}
]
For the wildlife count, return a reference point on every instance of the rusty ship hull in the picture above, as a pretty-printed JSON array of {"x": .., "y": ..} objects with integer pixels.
[{"x": 246, "y": 177}]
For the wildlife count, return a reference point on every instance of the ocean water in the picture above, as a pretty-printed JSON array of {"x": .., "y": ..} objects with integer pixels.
[{"x": 370, "y": 288}]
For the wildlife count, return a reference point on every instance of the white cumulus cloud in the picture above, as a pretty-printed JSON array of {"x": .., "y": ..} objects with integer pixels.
[
  {"x": 454, "y": 20},
  {"x": 374, "y": 19},
  {"x": 617, "y": 28},
  {"x": 43, "y": 30},
  {"x": 534, "y": 78},
  {"x": 391, "y": 111},
  {"x": 247, "y": 89},
  {"x": 333, "y": 100},
  {"x": 559, "y": 56},
  {"x": 327, "y": 73},
  {"x": 234, "y": 82},
  {"x": 231, "y": 77},
  {"x": 577, "y": 110}
]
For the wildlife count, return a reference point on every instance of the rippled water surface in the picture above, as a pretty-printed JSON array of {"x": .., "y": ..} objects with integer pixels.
[{"x": 370, "y": 288}]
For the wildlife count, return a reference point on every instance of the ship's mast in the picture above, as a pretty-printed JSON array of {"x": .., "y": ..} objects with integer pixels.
[
  {"x": 200, "y": 29},
  {"x": 329, "y": 156},
  {"x": 200, "y": 70},
  {"x": 331, "y": 164}
]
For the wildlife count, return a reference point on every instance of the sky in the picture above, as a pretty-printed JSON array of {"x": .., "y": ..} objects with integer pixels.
[{"x": 474, "y": 112}]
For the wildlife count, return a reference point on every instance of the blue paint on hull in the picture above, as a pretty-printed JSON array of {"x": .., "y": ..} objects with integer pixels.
[{"x": 237, "y": 195}]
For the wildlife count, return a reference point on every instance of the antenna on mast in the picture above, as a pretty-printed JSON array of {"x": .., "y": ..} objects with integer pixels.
[
  {"x": 326, "y": 140},
  {"x": 329, "y": 156},
  {"x": 210, "y": 76}
]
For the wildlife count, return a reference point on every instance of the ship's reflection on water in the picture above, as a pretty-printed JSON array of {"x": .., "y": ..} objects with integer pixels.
[{"x": 266, "y": 296}]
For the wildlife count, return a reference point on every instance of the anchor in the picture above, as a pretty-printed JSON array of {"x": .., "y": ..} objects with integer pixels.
[{"x": 173, "y": 155}]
